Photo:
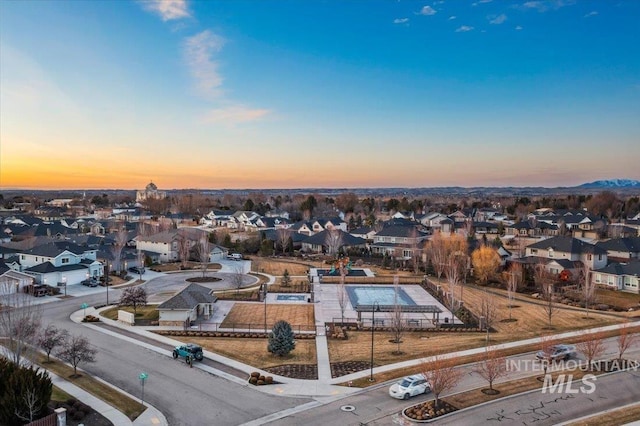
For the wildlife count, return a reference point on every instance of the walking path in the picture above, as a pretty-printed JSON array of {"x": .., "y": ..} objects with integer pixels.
[{"x": 324, "y": 389}]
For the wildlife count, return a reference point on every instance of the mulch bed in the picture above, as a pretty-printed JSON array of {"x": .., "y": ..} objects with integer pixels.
[
  {"x": 203, "y": 279},
  {"x": 427, "y": 410},
  {"x": 295, "y": 371},
  {"x": 79, "y": 413},
  {"x": 339, "y": 369}
]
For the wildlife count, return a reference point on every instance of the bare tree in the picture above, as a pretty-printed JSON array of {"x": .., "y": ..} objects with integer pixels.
[
  {"x": 593, "y": 347},
  {"x": 442, "y": 376},
  {"x": 547, "y": 293},
  {"x": 398, "y": 323},
  {"x": 333, "y": 241},
  {"x": 51, "y": 338},
  {"x": 488, "y": 310},
  {"x": 342, "y": 297},
  {"x": 236, "y": 278},
  {"x": 184, "y": 246},
  {"x": 30, "y": 405},
  {"x": 20, "y": 321},
  {"x": 546, "y": 349},
  {"x": 492, "y": 367},
  {"x": 625, "y": 339},
  {"x": 283, "y": 239},
  {"x": 588, "y": 288},
  {"x": 515, "y": 277},
  {"x": 133, "y": 296},
  {"x": 119, "y": 241},
  {"x": 204, "y": 251},
  {"x": 77, "y": 350},
  {"x": 437, "y": 253}
]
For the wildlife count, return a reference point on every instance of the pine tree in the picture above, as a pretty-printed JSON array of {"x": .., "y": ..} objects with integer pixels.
[
  {"x": 281, "y": 340},
  {"x": 286, "y": 279}
]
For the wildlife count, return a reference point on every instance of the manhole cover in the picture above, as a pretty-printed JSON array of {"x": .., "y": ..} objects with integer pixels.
[{"x": 348, "y": 408}]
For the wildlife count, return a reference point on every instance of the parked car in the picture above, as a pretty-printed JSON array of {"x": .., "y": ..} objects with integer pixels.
[
  {"x": 188, "y": 350},
  {"x": 235, "y": 256},
  {"x": 137, "y": 269},
  {"x": 91, "y": 282},
  {"x": 557, "y": 353},
  {"x": 409, "y": 386}
]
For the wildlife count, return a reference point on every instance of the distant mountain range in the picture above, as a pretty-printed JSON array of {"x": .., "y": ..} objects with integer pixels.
[{"x": 612, "y": 183}]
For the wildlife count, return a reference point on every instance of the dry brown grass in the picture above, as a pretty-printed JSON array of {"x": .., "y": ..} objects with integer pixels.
[
  {"x": 277, "y": 266},
  {"x": 531, "y": 316},
  {"x": 130, "y": 407},
  {"x": 456, "y": 340},
  {"x": 253, "y": 313},
  {"x": 618, "y": 417},
  {"x": 254, "y": 351}
]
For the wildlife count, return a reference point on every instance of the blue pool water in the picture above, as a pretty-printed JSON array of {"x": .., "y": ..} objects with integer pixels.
[
  {"x": 367, "y": 295},
  {"x": 296, "y": 297}
]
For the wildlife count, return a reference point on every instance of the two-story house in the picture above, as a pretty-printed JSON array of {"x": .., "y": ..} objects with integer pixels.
[
  {"x": 621, "y": 249},
  {"x": 60, "y": 263},
  {"x": 619, "y": 276},
  {"x": 560, "y": 253},
  {"x": 401, "y": 242}
]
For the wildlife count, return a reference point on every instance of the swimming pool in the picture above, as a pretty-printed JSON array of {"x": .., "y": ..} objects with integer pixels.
[
  {"x": 368, "y": 295},
  {"x": 292, "y": 297}
]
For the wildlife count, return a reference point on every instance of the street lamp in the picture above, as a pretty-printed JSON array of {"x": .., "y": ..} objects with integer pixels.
[
  {"x": 264, "y": 292},
  {"x": 106, "y": 279},
  {"x": 375, "y": 307},
  {"x": 64, "y": 283}
]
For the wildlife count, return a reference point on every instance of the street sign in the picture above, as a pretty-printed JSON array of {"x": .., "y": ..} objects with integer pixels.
[
  {"x": 143, "y": 376},
  {"x": 84, "y": 306}
]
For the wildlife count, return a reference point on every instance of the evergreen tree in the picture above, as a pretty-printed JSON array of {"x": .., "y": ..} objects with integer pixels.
[
  {"x": 24, "y": 395},
  {"x": 281, "y": 340},
  {"x": 286, "y": 279}
]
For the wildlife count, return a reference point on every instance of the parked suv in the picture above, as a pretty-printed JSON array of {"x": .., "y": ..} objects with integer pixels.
[
  {"x": 91, "y": 282},
  {"x": 189, "y": 350},
  {"x": 409, "y": 386},
  {"x": 137, "y": 269}
]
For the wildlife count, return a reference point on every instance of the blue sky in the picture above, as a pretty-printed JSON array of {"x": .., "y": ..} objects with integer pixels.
[{"x": 281, "y": 94}]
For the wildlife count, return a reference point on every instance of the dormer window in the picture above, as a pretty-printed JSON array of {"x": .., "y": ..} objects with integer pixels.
[
  {"x": 550, "y": 252},
  {"x": 65, "y": 260}
]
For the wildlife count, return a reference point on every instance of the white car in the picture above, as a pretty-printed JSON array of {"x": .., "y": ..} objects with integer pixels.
[
  {"x": 557, "y": 353},
  {"x": 409, "y": 386}
]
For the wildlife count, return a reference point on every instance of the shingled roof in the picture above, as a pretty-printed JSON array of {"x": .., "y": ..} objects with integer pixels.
[
  {"x": 567, "y": 245},
  {"x": 189, "y": 297}
]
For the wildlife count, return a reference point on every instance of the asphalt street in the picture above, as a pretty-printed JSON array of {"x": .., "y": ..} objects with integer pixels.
[{"x": 187, "y": 396}]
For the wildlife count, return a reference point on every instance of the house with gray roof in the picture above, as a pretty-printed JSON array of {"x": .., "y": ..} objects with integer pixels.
[
  {"x": 192, "y": 302},
  {"x": 619, "y": 276},
  {"x": 332, "y": 241},
  {"x": 569, "y": 248},
  {"x": 404, "y": 242},
  {"x": 621, "y": 249}
]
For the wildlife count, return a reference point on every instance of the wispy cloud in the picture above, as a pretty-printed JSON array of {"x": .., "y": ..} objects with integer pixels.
[
  {"x": 518, "y": 27},
  {"x": 481, "y": 2},
  {"x": 198, "y": 52},
  {"x": 452, "y": 17},
  {"x": 167, "y": 9},
  {"x": 497, "y": 20},
  {"x": 464, "y": 29},
  {"x": 234, "y": 115},
  {"x": 590, "y": 14},
  {"x": 544, "y": 5},
  {"x": 401, "y": 20},
  {"x": 427, "y": 10}
]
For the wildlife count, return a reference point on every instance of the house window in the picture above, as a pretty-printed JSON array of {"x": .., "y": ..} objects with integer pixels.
[
  {"x": 598, "y": 278},
  {"x": 65, "y": 260},
  {"x": 534, "y": 251},
  {"x": 599, "y": 257},
  {"x": 589, "y": 257},
  {"x": 550, "y": 252}
]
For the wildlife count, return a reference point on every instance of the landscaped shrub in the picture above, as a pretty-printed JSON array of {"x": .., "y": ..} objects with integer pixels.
[
  {"x": 281, "y": 339},
  {"x": 255, "y": 374},
  {"x": 253, "y": 380},
  {"x": 260, "y": 382},
  {"x": 268, "y": 380}
]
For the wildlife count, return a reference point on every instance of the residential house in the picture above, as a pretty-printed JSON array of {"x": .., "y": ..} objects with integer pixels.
[
  {"x": 60, "y": 263},
  {"x": 322, "y": 224},
  {"x": 166, "y": 244},
  {"x": 619, "y": 276},
  {"x": 191, "y": 303},
  {"x": 399, "y": 241},
  {"x": 332, "y": 241},
  {"x": 569, "y": 248},
  {"x": 12, "y": 281},
  {"x": 621, "y": 249}
]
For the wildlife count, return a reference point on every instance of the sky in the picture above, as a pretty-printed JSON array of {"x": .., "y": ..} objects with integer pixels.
[{"x": 319, "y": 94}]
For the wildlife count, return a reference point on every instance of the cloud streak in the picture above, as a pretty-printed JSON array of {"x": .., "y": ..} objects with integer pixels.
[
  {"x": 198, "y": 51},
  {"x": 401, "y": 20},
  {"x": 427, "y": 11},
  {"x": 233, "y": 115},
  {"x": 544, "y": 5},
  {"x": 168, "y": 10},
  {"x": 590, "y": 14},
  {"x": 464, "y": 29},
  {"x": 498, "y": 19}
]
